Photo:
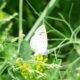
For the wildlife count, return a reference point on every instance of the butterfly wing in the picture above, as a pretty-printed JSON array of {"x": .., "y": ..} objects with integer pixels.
[{"x": 39, "y": 41}]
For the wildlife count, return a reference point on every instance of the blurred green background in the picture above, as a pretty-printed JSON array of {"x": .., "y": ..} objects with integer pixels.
[{"x": 63, "y": 29}]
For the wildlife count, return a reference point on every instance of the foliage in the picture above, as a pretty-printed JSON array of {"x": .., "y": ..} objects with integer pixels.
[{"x": 62, "y": 21}]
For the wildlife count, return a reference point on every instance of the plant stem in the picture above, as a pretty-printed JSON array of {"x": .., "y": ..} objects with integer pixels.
[
  {"x": 55, "y": 48},
  {"x": 65, "y": 44},
  {"x": 57, "y": 32},
  {"x": 46, "y": 11},
  {"x": 3, "y": 67},
  {"x": 20, "y": 23}
]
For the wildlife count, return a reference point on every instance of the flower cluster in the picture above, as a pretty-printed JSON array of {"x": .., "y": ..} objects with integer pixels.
[
  {"x": 24, "y": 68},
  {"x": 39, "y": 60},
  {"x": 33, "y": 70}
]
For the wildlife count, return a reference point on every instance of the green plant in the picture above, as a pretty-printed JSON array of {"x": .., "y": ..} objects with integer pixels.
[{"x": 62, "y": 21}]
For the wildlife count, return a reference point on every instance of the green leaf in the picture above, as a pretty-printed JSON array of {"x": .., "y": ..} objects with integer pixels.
[
  {"x": 25, "y": 50},
  {"x": 10, "y": 50}
]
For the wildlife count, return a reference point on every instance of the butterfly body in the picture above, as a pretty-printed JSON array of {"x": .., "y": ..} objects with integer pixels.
[{"x": 39, "y": 41}]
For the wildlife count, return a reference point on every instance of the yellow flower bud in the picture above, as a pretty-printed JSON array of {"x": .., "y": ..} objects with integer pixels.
[
  {"x": 24, "y": 65},
  {"x": 41, "y": 58},
  {"x": 38, "y": 67},
  {"x": 45, "y": 59},
  {"x": 29, "y": 66},
  {"x": 19, "y": 61},
  {"x": 41, "y": 69}
]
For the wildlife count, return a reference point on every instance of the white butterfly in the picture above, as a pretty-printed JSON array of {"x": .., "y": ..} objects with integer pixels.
[{"x": 39, "y": 41}]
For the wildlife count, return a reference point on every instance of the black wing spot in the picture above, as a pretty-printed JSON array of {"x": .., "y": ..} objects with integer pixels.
[{"x": 41, "y": 33}]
